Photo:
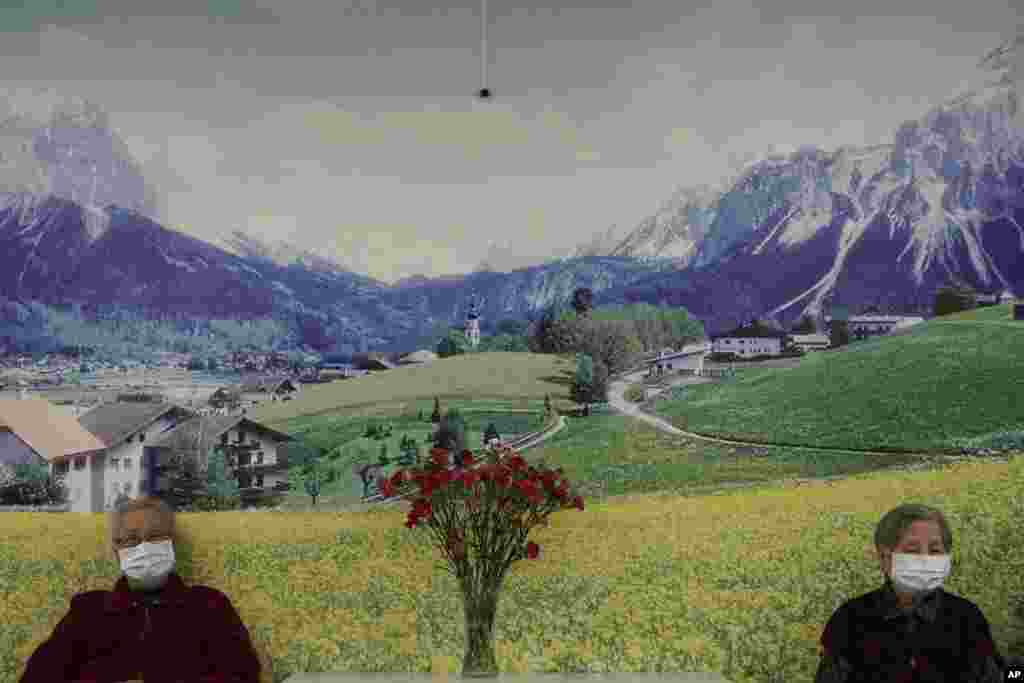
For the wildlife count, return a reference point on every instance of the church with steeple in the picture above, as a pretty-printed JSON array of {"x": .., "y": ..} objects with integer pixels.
[{"x": 472, "y": 328}]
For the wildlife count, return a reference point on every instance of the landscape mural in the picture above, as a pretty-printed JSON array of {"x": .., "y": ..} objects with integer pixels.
[{"x": 258, "y": 258}]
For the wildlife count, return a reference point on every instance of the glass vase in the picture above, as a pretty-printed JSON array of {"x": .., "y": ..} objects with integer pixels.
[{"x": 479, "y": 661}]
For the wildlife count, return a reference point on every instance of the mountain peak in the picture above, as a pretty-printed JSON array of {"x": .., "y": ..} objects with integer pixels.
[
  {"x": 279, "y": 253},
  {"x": 62, "y": 145}
]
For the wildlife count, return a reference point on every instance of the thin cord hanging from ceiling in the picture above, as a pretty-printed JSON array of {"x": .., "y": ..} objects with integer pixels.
[{"x": 484, "y": 92}]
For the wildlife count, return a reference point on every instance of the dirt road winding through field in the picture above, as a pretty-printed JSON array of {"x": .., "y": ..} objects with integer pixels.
[{"x": 616, "y": 399}]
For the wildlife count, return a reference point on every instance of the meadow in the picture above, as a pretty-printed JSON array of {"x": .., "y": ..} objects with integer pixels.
[
  {"x": 341, "y": 434},
  {"x": 520, "y": 379},
  {"x": 949, "y": 383},
  {"x": 505, "y": 388},
  {"x": 667, "y": 569}
]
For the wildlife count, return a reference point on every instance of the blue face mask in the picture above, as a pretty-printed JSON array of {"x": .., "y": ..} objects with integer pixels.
[{"x": 147, "y": 565}]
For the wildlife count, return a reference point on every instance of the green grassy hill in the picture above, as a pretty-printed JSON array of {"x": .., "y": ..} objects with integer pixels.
[
  {"x": 1001, "y": 313},
  {"x": 505, "y": 388},
  {"x": 513, "y": 378},
  {"x": 953, "y": 381}
]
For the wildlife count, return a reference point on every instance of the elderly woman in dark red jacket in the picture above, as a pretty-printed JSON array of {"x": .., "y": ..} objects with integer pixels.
[
  {"x": 910, "y": 629},
  {"x": 151, "y": 626}
]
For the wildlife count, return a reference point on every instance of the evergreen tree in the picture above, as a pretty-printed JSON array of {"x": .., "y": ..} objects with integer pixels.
[
  {"x": 454, "y": 343},
  {"x": 953, "y": 300},
  {"x": 805, "y": 326},
  {"x": 583, "y": 383},
  {"x": 510, "y": 327},
  {"x": 32, "y": 484},
  {"x": 435, "y": 417},
  {"x": 221, "y": 487},
  {"x": 408, "y": 449},
  {"x": 312, "y": 483},
  {"x": 451, "y": 432},
  {"x": 839, "y": 334},
  {"x": 539, "y": 336},
  {"x": 583, "y": 301},
  {"x": 599, "y": 389},
  {"x": 491, "y": 433}
]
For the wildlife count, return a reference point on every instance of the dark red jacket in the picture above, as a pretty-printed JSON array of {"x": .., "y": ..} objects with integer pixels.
[
  {"x": 178, "y": 634},
  {"x": 943, "y": 639}
]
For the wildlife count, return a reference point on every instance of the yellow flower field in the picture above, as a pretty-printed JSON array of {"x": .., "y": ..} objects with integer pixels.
[{"x": 739, "y": 583}]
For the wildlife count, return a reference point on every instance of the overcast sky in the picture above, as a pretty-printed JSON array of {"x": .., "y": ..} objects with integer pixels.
[{"x": 350, "y": 126}]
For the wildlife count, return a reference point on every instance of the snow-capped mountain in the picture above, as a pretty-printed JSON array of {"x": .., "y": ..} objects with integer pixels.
[
  {"x": 78, "y": 226},
  {"x": 602, "y": 244},
  {"x": 675, "y": 230},
  {"x": 507, "y": 257},
  {"x": 279, "y": 253},
  {"x": 943, "y": 202},
  {"x": 63, "y": 146}
]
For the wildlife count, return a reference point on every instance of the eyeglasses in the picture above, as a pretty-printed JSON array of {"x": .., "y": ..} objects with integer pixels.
[{"x": 132, "y": 541}]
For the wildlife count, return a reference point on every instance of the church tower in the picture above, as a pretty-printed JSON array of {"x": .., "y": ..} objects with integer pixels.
[{"x": 473, "y": 325}]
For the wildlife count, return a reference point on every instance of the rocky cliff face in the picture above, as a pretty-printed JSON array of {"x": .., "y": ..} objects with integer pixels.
[
  {"x": 944, "y": 202},
  {"x": 57, "y": 146}
]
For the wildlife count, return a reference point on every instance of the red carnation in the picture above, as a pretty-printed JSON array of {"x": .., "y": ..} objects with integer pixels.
[
  {"x": 421, "y": 507},
  {"x": 516, "y": 463}
]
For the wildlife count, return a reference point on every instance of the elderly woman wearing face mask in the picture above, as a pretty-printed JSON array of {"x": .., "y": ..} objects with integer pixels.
[
  {"x": 910, "y": 629},
  {"x": 150, "y": 626}
]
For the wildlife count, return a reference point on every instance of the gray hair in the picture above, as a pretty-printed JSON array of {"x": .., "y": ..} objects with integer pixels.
[
  {"x": 115, "y": 518},
  {"x": 894, "y": 525}
]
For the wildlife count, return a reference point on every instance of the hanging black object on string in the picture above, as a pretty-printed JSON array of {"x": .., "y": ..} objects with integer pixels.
[{"x": 484, "y": 93}]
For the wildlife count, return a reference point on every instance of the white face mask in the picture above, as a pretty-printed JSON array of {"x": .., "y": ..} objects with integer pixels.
[
  {"x": 148, "y": 564},
  {"x": 916, "y": 574}
]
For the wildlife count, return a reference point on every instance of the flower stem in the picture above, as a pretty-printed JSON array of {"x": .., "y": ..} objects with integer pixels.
[{"x": 480, "y": 610}]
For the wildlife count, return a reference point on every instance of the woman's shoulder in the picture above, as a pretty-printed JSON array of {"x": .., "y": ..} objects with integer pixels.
[
  {"x": 960, "y": 605},
  {"x": 859, "y": 603},
  {"x": 208, "y": 595},
  {"x": 874, "y": 602}
]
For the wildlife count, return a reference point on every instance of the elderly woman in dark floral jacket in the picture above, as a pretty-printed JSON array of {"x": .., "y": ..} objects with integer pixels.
[
  {"x": 150, "y": 626},
  {"x": 910, "y": 629}
]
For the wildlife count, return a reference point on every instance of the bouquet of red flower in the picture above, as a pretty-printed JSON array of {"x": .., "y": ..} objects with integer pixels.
[{"x": 500, "y": 501}]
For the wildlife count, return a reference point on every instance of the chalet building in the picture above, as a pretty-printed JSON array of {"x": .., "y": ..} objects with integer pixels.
[
  {"x": 418, "y": 357},
  {"x": 225, "y": 397},
  {"x": 268, "y": 388},
  {"x": 35, "y": 431},
  {"x": 125, "y": 429},
  {"x": 120, "y": 448},
  {"x": 1002, "y": 296},
  {"x": 15, "y": 378},
  {"x": 253, "y": 390},
  {"x": 375, "y": 364},
  {"x": 750, "y": 340},
  {"x": 329, "y": 374},
  {"x": 864, "y": 326},
  {"x": 811, "y": 342},
  {"x": 251, "y": 450},
  {"x": 669, "y": 360}
]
